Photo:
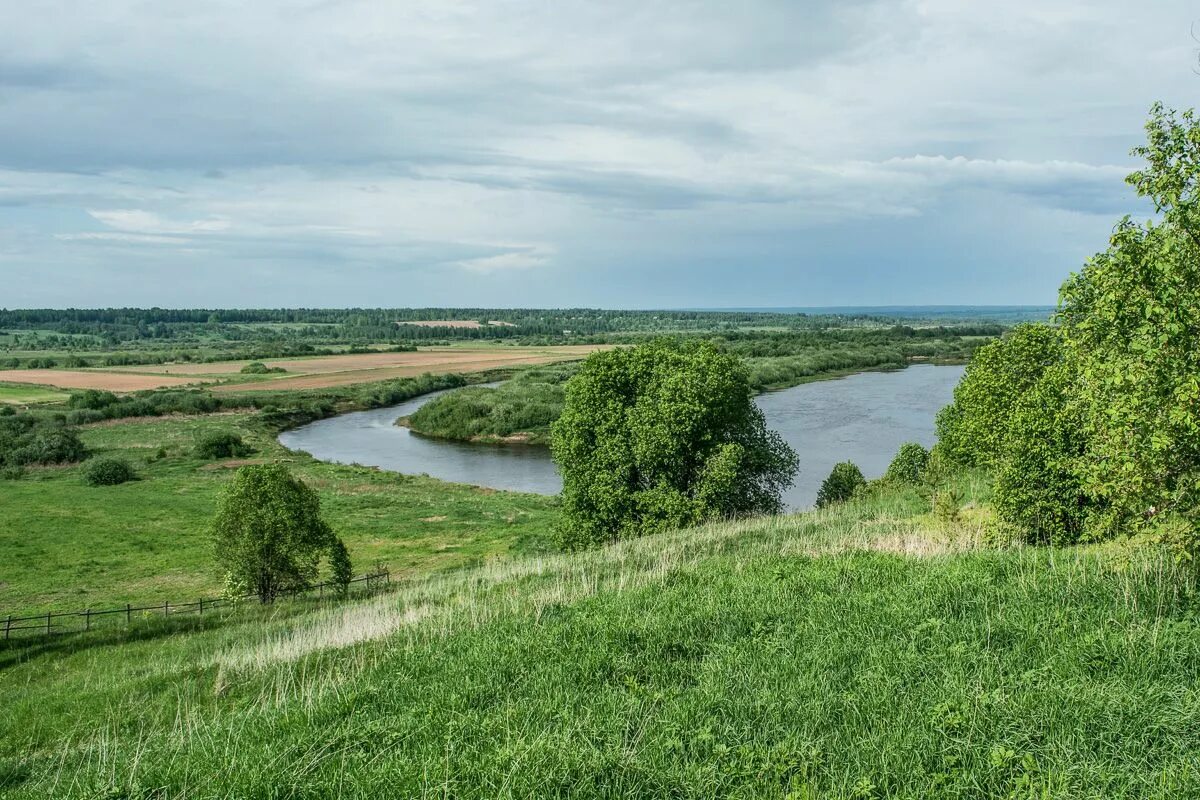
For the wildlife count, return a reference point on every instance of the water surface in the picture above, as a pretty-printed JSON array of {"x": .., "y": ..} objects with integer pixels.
[{"x": 862, "y": 418}]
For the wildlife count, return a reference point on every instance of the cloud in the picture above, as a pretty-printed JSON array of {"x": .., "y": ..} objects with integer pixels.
[{"x": 379, "y": 151}]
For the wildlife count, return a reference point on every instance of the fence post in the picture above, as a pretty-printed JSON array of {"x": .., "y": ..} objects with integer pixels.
[
  {"x": 7, "y": 626},
  {"x": 87, "y": 615},
  {"x": 201, "y": 605},
  {"x": 166, "y": 608},
  {"x": 128, "y": 614},
  {"x": 47, "y": 623}
]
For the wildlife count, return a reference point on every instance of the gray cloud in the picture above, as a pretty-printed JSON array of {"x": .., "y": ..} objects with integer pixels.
[{"x": 571, "y": 152}]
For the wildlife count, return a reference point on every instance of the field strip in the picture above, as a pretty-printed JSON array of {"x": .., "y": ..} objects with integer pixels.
[
  {"x": 85, "y": 379},
  {"x": 330, "y": 379}
]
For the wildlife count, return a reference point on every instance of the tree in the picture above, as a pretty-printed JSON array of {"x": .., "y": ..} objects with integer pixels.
[
  {"x": 973, "y": 429},
  {"x": 909, "y": 464},
  {"x": 1131, "y": 322},
  {"x": 340, "y": 568},
  {"x": 1037, "y": 486},
  {"x": 841, "y": 484},
  {"x": 268, "y": 534},
  {"x": 660, "y": 436}
]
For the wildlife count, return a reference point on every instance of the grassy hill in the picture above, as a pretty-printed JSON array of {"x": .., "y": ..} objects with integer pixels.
[{"x": 865, "y": 651}]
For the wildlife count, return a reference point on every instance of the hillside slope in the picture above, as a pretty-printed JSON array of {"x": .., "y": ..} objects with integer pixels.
[{"x": 865, "y": 651}]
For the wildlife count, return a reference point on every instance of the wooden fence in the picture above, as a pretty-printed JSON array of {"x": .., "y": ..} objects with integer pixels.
[{"x": 78, "y": 621}]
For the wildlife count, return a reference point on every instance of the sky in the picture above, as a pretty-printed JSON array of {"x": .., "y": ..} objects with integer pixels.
[{"x": 626, "y": 154}]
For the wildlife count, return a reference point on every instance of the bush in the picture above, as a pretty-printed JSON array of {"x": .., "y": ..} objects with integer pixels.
[
  {"x": 11, "y": 473},
  {"x": 221, "y": 444},
  {"x": 107, "y": 472},
  {"x": 844, "y": 480},
  {"x": 259, "y": 368},
  {"x": 29, "y": 439},
  {"x": 909, "y": 464}
]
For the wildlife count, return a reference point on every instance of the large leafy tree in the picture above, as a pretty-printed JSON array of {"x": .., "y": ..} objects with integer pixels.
[
  {"x": 268, "y": 533},
  {"x": 663, "y": 435},
  {"x": 973, "y": 430},
  {"x": 1131, "y": 320}
]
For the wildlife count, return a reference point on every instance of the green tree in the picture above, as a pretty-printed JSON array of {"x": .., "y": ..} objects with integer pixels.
[
  {"x": 973, "y": 429},
  {"x": 1037, "y": 486},
  {"x": 268, "y": 534},
  {"x": 1131, "y": 320},
  {"x": 340, "y": 568},
  {"x": 660, "y": 436},
  {"x": 108, "y": 472},
  {"x": 909, "y": 464},
  {"x": 842, "y": 482}
]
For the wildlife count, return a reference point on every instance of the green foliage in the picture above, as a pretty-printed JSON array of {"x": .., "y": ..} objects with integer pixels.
[
  {"x": 973, "y": 429},
  {"x": 221, "y": 444},
  {"x": 1037, "y": 484},
  {"x": 947, "y": 504},
  {"x": 259, "y": 368},
  {"x": 660, "y": 436},
  {"x": 340, "y": 569},
  {"x": 909, "y": 464},
  {"x": 1131, "y": 320},
  {"x": 108, "y": 472},
  {"x": 840, "y": 485},
  {"x": 27, "y": 439},
  {"x": 268, "y": 534},
  {"x": 523, "y": 407}
]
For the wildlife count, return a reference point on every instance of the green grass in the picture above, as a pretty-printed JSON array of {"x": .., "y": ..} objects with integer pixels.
[
  {"x": 24, "y": 394},
  {"x": 67, "y": 546},
  {"x": 863, "y": 651}
]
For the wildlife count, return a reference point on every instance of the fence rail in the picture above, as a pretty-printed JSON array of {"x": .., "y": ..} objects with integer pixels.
[{"x": 46, "y": 623}]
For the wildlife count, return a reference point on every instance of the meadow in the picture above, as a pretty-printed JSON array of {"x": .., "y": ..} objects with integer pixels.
[
  {"x": 67, "y": 546},
  {"x": 870, "y": 650}
]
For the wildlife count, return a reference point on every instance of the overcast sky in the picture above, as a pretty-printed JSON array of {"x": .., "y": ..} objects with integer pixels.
[{"x": 619, "y": 154}]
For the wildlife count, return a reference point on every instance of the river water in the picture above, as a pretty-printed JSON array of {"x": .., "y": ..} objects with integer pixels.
[{"x": 862, "y": 418}]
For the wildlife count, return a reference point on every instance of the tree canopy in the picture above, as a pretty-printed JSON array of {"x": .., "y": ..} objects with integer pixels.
[
  {"x": 663, "y": 435},
  {"x": 268, "y": 533}
]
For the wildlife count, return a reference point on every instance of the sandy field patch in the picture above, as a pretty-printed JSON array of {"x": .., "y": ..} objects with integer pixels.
[
  {"x": 474, "y": 363},
  {"x": 83, "y": 379},
  {"x": 320, "y": 365}
]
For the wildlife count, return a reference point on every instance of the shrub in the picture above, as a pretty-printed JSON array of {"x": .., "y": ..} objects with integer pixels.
[
  {"x": 909, "y": 464},
  {"x": 259, "y": 368},
  {"x": 843, "y": 481},
  {"x": 221, "y": 444},
  {"x": 11, "y": 473},
  {"x": 107, "y": 472},
  {"x": 28, "y": 439},
  {"x": 946, "y": 504}
]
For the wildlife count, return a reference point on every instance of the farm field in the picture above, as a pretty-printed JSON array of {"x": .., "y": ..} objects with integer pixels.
[{"x": 301, "y": 373}]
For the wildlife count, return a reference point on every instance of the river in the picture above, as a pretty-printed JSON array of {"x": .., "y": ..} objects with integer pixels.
[{"x": 862, "y": 418}]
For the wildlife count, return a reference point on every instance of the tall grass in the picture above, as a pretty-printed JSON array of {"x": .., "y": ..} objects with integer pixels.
[{"x": 869, "y": 650}]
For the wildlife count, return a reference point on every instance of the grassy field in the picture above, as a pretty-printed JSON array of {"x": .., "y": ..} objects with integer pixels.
[
  {"x": 65, "y": 545},
  {"x": 22, "y": 394},
  {"x": 867, "y": 651}
]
